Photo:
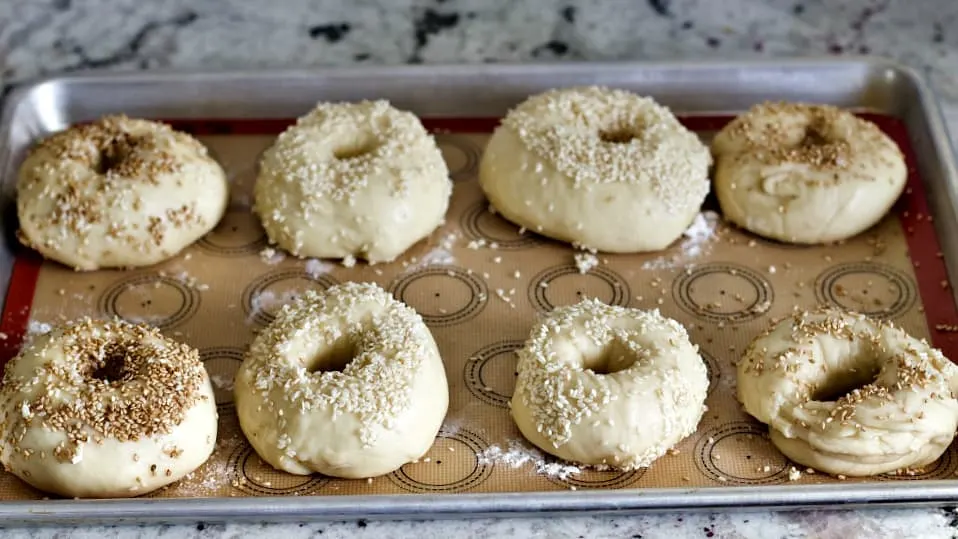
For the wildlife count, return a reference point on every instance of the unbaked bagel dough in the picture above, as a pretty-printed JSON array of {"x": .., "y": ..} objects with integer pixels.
[
  {"x": 608, "y": 386},
  {"x": 849, "y": 395},
  {"x": 806, "y": 173},
  {"x": 361, "y": 180},
  {"x": 603, "y": 169},
  {"x": 105, "y": 409},
  {"x": 118, "y": 193},
  {"x": 348, "y": 383}
]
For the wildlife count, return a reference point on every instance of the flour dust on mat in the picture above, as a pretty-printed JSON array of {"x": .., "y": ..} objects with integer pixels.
[
  {"x": 517, "y": 454},
  {"x": 697, "y": 240}
]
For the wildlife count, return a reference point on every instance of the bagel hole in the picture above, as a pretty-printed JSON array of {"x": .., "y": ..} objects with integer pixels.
[
  {"x": 613, "y": 358},
  {"x": 334, "y": 359},
  {"x": 837, "y": 387},
  {"x": 114, "y": 153},
  {"x": 813, "y": 136},
  {"x": 617, "y": 136},
  {"x": 353, "y": 150},
  {"x": 111, "y": 367}
]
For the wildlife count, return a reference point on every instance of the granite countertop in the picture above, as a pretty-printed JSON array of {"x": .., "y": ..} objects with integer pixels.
[{"x": 51, "y": 36}]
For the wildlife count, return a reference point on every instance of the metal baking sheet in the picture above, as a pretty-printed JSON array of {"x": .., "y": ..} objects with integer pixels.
[{"x": 485, "y": 91}]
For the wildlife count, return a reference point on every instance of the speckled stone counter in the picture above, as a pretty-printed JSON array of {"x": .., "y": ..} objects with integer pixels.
[{"x": 54, "y": 36}]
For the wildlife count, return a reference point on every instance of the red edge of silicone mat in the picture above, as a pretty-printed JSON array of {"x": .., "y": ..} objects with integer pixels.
[{"x": 912, "y": 208}]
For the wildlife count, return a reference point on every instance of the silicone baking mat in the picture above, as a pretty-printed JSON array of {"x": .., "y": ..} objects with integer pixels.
[{"x": 480, "y": 284}]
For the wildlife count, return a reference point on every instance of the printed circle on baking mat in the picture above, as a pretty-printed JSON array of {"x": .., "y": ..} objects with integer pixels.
[
  {"x": 723, "y": 292},
  {"x": 237, "y": 234},
  {"x": 269, "y": 292},
  {"x": 490, "y": 373},
  {"x": 872, "y": 289},
  {"x": 758, "y": 461},
  {"x": 608, "y": 479},
  {"x": 565, "y": 285},
  {"x": 943, "y": 468},
  {"x": 159, "y": 300},
  {"x": 442, "y": 295},
  {"x": 460, "y": 153},
  {"x": 479, "y": 223},
  {"x": 247, "y": 472},
  {"x": 451, "y": 465},
  {"x": 221, "y": 364}
]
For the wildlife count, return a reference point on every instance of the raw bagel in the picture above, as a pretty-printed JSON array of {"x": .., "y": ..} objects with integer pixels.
[
  {"x": 118, "y": 193},
  {"x": 348, "y": 383},
  {"x": 105, "y": 409},
  {"x": 358, "y": 180},
  {"x": 608, "y": 386},
  {"x": 805, "y": 173},
  {"x": 603, "y": 169},
  {"x": 896, "y": 410}
]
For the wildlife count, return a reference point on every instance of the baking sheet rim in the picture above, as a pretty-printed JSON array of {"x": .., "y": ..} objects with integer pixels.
[{"x": 777, "y": 497}]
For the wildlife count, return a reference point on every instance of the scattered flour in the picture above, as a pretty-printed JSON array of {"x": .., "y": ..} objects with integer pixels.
[
  {"x": 437, "y": 257},
  {"x": 518, "y": 455},
  {"x": 316, "y": 267},
  {"x": 185, "y": 278},
  {"x": 697, "y": 241},
  {"x": 38, "y": 328},
  {"x": 440, "y": 255},
  {"x": 585, "y": 261},
  {"x": 268, "y": 302},
  {"x": 224, "y": 382},
  {"x": 213, "y": 476},
  {"x": 272, "y": 256},
  {"x": 449, "y": 429}
]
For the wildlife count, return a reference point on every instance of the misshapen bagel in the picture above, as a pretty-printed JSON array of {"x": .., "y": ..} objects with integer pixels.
[
  {"x": 805, "y": 174},
  {"x": 118, "y": 193},
  {"x": 849, "y": 395}
]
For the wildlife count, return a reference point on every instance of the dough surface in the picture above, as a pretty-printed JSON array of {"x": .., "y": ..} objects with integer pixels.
[
  {"x": 118, "y": 193},
  {"x": 348, "y": 383},
  {"x": 848, "y": 395},
  {"x": 806, "y": 174},
  {"x": 608, "y": 386},
  {"x": 140, "y": 410},
  {"x": 360, "y": 180},
  {"x": 603, "y": 169}
]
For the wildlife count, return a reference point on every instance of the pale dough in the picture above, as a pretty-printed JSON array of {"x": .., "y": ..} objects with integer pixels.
[
  {"x": 118, "y": 193},
  {"x": 348, "y": 383},
  {"x": 603, "y": 169},
  {"x": 140, "y": 408},
  {"x": 608, "y": 386},
  {"x": 361, "y": 180},
  {"x": 848, "y": 395},
  {"x": 806, "y": 173}
]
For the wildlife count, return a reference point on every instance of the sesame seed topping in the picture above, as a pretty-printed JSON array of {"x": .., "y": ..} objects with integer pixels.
[
  {"x": 597, "y": 135},
  {"x": 332, "y": 162},
  {"x": 96, "y": 194},
  {"x": 102, "y": 379},
  {"x": 827, "y": 374},
  {"x": 562, "y": 387},
  {"x": 386, "y": 341}
]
